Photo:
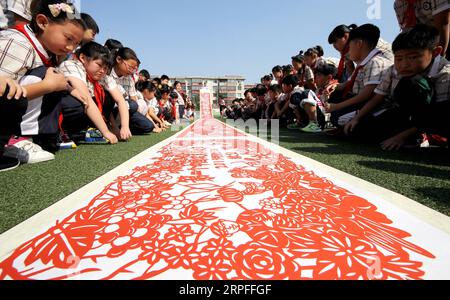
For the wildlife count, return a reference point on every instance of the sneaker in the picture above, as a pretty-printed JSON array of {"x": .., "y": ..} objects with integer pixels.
[
  {"x": 167, "y": 123},
  {"x": 294, "y": 126},
  {"x": 94, "y": 136},
  {"x": 65, "y": 143},
  {"x": 8, "y": 163},
  {"x": 28, "y": 153},
  {"x": 312, "y": 128},
  {"x": 15, "y": 139},
  {"x": 425, "y": 142}
]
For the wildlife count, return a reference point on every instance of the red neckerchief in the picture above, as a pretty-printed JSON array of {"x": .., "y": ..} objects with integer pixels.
[
  {"x": 341, "y": 69},
  {"x": 321, "y": 91},
  {"x": 99, "y": 93},
  {"x": 350, "y": 85},
  {"x": 410, "y": 19},
  {"x": 48, "y": 62}
]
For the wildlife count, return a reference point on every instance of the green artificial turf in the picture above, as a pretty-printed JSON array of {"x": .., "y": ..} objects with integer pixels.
[
  {"x": 32, "y": 188},
  {"x": 421, "y": 174}
]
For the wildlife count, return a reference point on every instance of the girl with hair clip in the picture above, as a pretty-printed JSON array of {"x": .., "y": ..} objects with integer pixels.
[
  {"x": 339, "y": 39},
  {"x": 305, "y": 74},
  {"x": 55, "y": 30}
]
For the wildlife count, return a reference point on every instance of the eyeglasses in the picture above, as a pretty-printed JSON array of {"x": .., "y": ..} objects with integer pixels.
[{"x": 130, "y": 68}]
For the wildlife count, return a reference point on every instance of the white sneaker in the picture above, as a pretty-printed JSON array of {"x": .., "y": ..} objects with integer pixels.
[
  {"x": 167, "y": 123},
  {"x": 28, "y": 153}
]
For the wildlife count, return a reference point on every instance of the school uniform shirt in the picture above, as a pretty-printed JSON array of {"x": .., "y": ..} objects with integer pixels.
[
  {"x": 372, "y": 72},
  {"x": 74, "y": 68},
  {"x": 125, "y": 84},
  {"x": 180, "y": 99},
  {"x": 17, "y": 54},
  {"x": 142, "y": 104},
  {"x": 306, "y": 75},
  {"x": 297, "y": 90},
  {"x": 321, "y": 61},
  {"x": 426, "y": 10},
  {"x": 386, "y": 48},
  {"x": 267, "y": 99},
  {"x": 21, "y": 8},
  {"x": 439, "y": 75},
  {"x": 4, "y": 21},
  {"x": 154, "y": 104}
]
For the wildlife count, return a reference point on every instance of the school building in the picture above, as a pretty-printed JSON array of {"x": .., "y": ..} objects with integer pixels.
[{"x": 226, "y": 87}]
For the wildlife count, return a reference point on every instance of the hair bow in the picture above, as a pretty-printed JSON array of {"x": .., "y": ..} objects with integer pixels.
[{"x": 56, "y": 9}]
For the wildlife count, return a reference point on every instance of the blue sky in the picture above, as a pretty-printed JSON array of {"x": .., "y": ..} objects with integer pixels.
[{"x": 228, "y": 37}]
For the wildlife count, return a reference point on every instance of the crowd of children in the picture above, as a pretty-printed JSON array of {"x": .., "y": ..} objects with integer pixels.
[
  {"x": 395, "y": 95},
  {"x": 59, "y": 88}
]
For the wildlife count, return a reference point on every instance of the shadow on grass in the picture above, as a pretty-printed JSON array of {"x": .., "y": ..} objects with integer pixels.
[
  {"x": 435, "y": 193},
  {"x": 407, "y": 169},
  {"x": 329, "y": 145}
]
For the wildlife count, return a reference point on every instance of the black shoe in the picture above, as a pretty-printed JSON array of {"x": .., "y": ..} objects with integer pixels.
[{"x": 7, "y": 163}]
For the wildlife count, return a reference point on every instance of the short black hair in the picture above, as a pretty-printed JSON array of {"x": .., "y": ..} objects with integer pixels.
[
  {"x": 113, "y": 45},
  {"x": 276, "y": 88},
  {"x": 327, "y": 69},
  {"x": 277, "y": 69},
  {"x": 423, "y": 37},
  {"x": 145, "y": 73},
  {"x": 165, "y": 77},
  {"x": 300, "y": 57},
  {"x": 95, "y": 51},
  {"x": 90, "y": 23},
  {"x": 157, "y": 80},
  {"x": 165, "y": 89},
  {"x": 317, "y": 50},
  {"x": 261, "y": 90},
  {"x": 290, "y": 80},
  {"x": 288, "y": 68},
  {"x": 247, "y": 92},
  {"x": 146, "y": 85},
  {"x": 267, "y": 77},
  {"x": 368, "y": 33},
  {"x": 39, "y": 7},
  {"x": 126, "y": 54},
  {"x": 339, "y": 32}
]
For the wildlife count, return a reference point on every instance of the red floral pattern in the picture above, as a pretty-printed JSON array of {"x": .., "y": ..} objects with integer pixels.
[{"x": 220, "y": 207}]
